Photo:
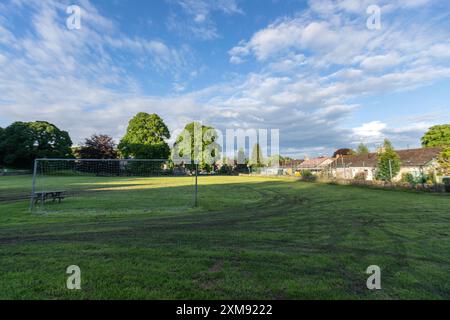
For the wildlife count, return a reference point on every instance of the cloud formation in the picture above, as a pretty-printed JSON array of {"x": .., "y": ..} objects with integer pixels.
[
  {"x": 311, "y": 68},
  {"x": 195, "y": 19}
]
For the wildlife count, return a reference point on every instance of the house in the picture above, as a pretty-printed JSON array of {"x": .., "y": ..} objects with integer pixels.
[
  {"x": 283, "y": 168},
  {"x": 413, "y": 161},
  {"x": 288, "y": 167},
  {"x": 316, "y": 165}
]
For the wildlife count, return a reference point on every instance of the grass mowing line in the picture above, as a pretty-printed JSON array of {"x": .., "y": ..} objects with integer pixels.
[
  {"x": 188, "y": 221},
  {"x": 251, "y": 238}
]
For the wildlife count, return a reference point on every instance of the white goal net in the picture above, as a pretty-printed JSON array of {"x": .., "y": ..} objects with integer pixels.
[{"x": 111, "y": 186}]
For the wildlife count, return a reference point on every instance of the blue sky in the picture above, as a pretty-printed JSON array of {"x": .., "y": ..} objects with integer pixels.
[{"x": 309, "y": 68}]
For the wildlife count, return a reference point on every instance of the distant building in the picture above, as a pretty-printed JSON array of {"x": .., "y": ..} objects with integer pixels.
[
  {"x": 289, "y": 167},
  {"x": 316, "y": 165},
  {"x": 413, "y": 161},
  {"x": 282, "y": 168}
]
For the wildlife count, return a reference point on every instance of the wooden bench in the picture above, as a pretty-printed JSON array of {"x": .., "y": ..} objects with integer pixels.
[{"x": 43, "y": 196}]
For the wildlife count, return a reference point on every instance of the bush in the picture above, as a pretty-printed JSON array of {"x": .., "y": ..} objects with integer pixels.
[
  {"x": 446, "y": 182},
  {"x": 307, "y": 175},
  {"x": 388, "y": 163},
  {"x": 423, "y": 178},
  {"x": 226, "y": 170},
  {"x": 360, "y": 176},
  {"x": 408, "y": 178}
]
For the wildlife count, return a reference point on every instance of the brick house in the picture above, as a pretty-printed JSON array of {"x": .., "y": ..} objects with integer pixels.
[
  {"x": 315, "y": 165},
  {"x": 413, "y": 161}
]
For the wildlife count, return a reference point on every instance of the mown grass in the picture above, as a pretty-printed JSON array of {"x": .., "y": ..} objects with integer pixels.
[{"x": 250, "y": 238}]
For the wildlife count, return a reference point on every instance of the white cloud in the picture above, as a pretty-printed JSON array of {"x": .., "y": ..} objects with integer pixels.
[
  {"x": 332, "y": 36},
  {"x": 312, "y": 67},
  {"x": 371, "y": 130},
  {"x": 381, "y": 62},
  {"x": 413, "y": 3},
  {"x": 197, "y": 21}
]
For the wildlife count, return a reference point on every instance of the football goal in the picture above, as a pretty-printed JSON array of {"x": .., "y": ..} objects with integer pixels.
[{"x": 105, "y": 186}]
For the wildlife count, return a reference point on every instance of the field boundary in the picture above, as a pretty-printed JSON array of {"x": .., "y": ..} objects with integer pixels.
[{"x": 419, "y": 188}]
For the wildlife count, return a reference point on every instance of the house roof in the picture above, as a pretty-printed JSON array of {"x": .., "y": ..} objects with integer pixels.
[
  {"x": 313, "y": 163},
  {"x": 290, "y": 163},
  {"x": 409, "y": 158}
]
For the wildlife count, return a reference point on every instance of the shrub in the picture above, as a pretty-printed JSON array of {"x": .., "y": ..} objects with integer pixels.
[
  {"x": 307, "y": 175},
  {"x": 408, "y": 178},
  {"x": 360, "y": 176},
  {"x": 388, "y": 163},
  {"x": 425, "y": 179},
  {"x": 444, "y": 162},
  {"x": 446, "y": 182},
  {"x": 226, "y": 170}
]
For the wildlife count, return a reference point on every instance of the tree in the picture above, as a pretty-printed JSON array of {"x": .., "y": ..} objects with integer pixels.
[
  {"x": 256, "y": 159},
  {"x": 146, "y": 138},
  {"x": 362, "y": 149},
  {"x": 22, "y": 142},
  {"x": 197, "y": 144},
  {"x": 437, "y": 136},
  {"x": 388, "y": 162},
  {"x": 444, "y": 162},
  {"x": 16, "y": 145},
  {"x": 241, "y": 162},
  {"x": 275, "y": 160},
  {"x": 98, "y": 147},
  {"x": 241, "y": 158},
  {"x": 343, "y": 152}
]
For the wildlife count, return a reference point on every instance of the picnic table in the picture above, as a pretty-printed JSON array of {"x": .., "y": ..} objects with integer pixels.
[{"x": 49, "y": 195}]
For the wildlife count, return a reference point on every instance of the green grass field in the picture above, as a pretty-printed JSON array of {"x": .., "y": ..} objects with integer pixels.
[{"x": 250, "y": 238}]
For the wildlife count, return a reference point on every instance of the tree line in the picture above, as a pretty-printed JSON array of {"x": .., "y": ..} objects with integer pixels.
[
  {"x": 146, "y": 138},
  {"x": 23, "y": 142}
]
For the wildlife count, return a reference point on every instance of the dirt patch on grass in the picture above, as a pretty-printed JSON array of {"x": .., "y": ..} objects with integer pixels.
[
  {"x": 208, "y": 285},
  {"x": 217, "y": 267}
]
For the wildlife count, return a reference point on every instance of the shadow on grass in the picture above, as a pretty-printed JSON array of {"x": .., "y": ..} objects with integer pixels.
[{"x": 281, "y": 238}]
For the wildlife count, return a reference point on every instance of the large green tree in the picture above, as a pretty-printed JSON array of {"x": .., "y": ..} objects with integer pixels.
[
  {"x": 22, "y": 142},
  {"x": 98, "y": 147},
  {"x": 343, "y": 152},
  {"x": 256, "y": 158},
  {"x": 197, "y": 144},
  {"x": 444, "y": 162},
  {"x": 437, "y": 136},
  {"x": 388, "y": 162},
  {"x": 146, "y": 138},
  {"x": 241, "y": 162}
]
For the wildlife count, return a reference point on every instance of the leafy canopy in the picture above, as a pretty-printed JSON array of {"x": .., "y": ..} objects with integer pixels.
[
  {"x": 437, "y": 136},
  {"x": 197, "y": 144},
  {"x": 444, "y": 162},
  {"x": 22, "y": 142},
  {"x": 343, "y": 152},
  {"x": 388, "y": 162},
  {"x": 362, "y": 149},
  {"x": 256, "y": 158},
  {"x": 146, "y": 138},
  {"x": 98, "y": 147}
]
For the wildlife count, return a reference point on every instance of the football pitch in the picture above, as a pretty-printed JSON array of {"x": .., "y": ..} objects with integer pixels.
[{"x": 249, "y": 238}]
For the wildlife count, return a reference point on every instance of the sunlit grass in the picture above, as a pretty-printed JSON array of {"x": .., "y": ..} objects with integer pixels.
[{"x": 250, "y": 238}]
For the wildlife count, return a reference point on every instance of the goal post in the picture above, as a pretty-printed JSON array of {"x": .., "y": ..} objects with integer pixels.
[{"x": 111, "y": 185}]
